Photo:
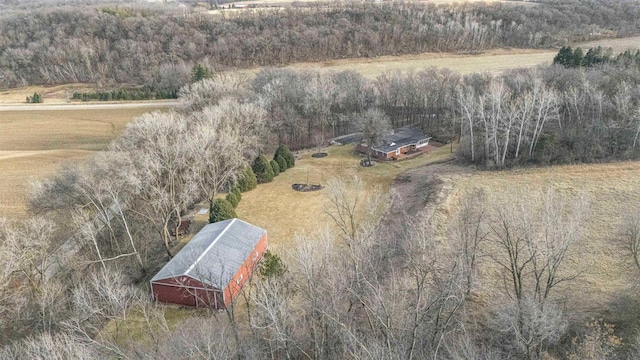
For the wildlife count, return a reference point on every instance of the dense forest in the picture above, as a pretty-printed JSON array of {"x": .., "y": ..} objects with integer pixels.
[{"x": 156, "y": 46}]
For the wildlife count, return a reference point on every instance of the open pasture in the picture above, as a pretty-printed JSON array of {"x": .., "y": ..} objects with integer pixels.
[
  {"x": 35, "y": 144},
  {"x": 493, "y": 61},
  {"x": 605, "y": 277}
]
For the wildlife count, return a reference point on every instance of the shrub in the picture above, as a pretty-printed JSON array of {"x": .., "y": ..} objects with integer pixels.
[
  {"x": 284, "y": 151},
  {"x": 252, "y": 179},
  {"x": 282, "y": 163},
  {"x": 232, "y": 199},
  {"x": 262, "y": 169},
  {"x": 275, "y": 167},
  {"x": 221, "y": 210},
  {"x": 238, "y": 193},
  {"x": 247, "y": 180},
  {"x": 35, "y": 99}
]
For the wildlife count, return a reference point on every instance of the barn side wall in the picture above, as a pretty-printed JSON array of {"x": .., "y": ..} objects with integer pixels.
[
  {"x": 188, "y": 292},
  {"x": 237, "y": 281}
]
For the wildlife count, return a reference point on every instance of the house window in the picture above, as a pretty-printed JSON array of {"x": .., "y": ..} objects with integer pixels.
[{"x": 397, "y": 151}]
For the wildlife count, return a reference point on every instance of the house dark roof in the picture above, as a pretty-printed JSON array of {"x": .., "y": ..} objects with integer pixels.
[
  {"x": 215, "y": 254},
  {"x": 401, "y": 137}
]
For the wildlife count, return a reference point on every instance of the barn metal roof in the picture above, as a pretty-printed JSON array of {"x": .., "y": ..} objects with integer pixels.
[
  {"x": 401, "y": 137},
  {"x": 215, "y": 254}
]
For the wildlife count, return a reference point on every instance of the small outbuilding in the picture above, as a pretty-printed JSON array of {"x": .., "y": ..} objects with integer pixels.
[
  {"x": 403, "y": 143},
  {"x": 212, "y": 268}
]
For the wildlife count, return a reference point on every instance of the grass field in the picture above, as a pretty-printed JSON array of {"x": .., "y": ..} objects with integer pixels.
[
  {"x": 36, "y": 143},
  {"x": 606, "y": 279},
  {"x": 494, "y": 61},
  {"x": 283, "y": 212}
]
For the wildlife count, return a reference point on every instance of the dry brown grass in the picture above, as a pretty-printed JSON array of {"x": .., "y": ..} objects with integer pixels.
[
  {"x": 57, "y": 94},
  {"x": 600, "y": 259},
  {"x": 284, "y": 212},
  {"x": 494, "y": 61},
  {"x": 36, "y": 143}
]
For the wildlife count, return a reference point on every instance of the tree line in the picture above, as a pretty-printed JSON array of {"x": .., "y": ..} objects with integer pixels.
[
  {"x": 546, "y": 115},
  {"x": 569, "y": 57},
  {"x": 118, "y": 95},
  {"x": 157, "y": 46}
]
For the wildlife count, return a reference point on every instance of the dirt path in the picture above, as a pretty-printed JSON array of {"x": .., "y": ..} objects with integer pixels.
[
  {"x": 84, "y": 106},
  {"x": 5, "y": 155}
]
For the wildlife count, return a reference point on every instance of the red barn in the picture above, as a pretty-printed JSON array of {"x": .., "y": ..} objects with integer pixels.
[{"x": 212, "y": 268}]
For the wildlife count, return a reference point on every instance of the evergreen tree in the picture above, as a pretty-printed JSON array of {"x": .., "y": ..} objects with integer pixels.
[
  {"x": 286, "y": 154},
  {"x": 35, "y": 99},
  {"x": 251, "y": 179},
  {"x": 275, "y": 167},
  {"x": 262, "y": 169},
  {"x": 282, "y": 163},
  {"x": 272, "y": 265},
  {"x": 578, "y": 57},
  {"x": 247, "y": 180},
  {"x": 565, "y": 57},
  {"x": 221, "y": 210},
  {"x": 200, "y": 72},
  {"x": 236, "y": 190},
  {"x": 232, "y": 199}
]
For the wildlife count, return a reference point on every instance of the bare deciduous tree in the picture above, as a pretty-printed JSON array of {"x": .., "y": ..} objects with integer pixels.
[
  {"x": 534, "y": 242},
  {"x": 470, "y": 230},
  {"x": 374, "y": 125},
  {"x": 631, "y": 236},
  {"x": 223, "y": 141},
  {"x": 353, "y": 209},
  {"x": 29, "y": 242}
]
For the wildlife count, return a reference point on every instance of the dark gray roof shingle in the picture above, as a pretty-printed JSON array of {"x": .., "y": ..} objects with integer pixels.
[
  {"x": 215, "y": 253},
  {"x": 401, "y": 137}
]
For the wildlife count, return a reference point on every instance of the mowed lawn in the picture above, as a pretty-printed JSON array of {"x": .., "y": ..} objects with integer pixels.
[
  {"x": 606, "y": 278},
  {"x": 284, "y": 212},
  {"x": 34, "y": 144}
]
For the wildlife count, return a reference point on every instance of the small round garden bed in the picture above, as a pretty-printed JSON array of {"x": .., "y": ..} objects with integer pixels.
[
  {"x": 319, "y": 155},
  {"x": 366, "y": 163},
  {"x": 306, "y": 187}
]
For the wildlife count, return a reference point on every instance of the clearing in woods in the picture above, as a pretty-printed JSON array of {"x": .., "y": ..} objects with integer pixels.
[
  {"x": 284, "y": 212},
  {"x": 494, "y": 61},
  {"x": 36, "y": 143}
]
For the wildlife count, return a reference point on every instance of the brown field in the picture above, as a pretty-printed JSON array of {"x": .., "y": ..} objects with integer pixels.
[
  {"x": 52, "y": 94},
  {"x": 36, "y": 143},
  {"x": 494, "y": 61},
  {"x": 606, "y": 278}
]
